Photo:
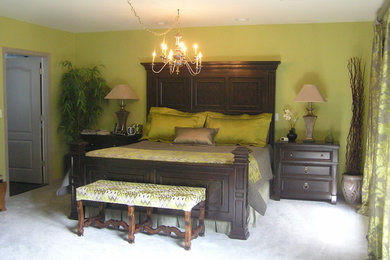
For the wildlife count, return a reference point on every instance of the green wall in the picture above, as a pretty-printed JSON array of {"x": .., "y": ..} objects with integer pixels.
[
  {"x": 60, "y": 45},
  {"x": 309, "y": 53}
]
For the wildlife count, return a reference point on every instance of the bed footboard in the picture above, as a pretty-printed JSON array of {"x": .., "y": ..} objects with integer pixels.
[{"x": 226, "y": 184}]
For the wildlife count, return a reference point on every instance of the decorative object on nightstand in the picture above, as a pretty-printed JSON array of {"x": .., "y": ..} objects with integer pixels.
[
  {"x": 122, "y": 92},
  {"x": 309, "y": 93},
  {"x": 292, "y": 118},
  {"x": 352, "y": 178},
  {"x": 305, "y": 171},
  {"x": 135, "y": 129},
  {"x": 329, "y": 138}
]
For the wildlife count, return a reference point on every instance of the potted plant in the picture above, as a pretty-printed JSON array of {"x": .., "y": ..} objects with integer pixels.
[
  {"x": 82, "y": 94},
  {"x": 352, "y": 178},
  {"x": 291, "y": 118}
]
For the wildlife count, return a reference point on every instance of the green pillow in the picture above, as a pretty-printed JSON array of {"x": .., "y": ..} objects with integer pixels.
[
  {"x": 242, "y": 116},
  {"x": 162, "y": 127},
  {"x": 169, "y": 111},
  {"x": 252, "y": 131}
]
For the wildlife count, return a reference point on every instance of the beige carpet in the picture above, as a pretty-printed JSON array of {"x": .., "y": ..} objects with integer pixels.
[{"x": 35, "y": 226}]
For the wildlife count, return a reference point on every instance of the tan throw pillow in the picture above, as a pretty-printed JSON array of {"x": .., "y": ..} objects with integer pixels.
[{"x": 185, "y": 135}]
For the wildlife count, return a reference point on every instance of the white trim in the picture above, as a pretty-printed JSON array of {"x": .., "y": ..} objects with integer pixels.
[{"x": 46, "y": 110}]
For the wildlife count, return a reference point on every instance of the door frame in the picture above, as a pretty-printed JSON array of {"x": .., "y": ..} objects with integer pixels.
[{"x": 46, "y": 153}]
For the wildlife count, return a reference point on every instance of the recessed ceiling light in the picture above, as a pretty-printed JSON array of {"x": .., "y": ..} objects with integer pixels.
[
  {"x": 160, "y": 23},
  {"x": 242, "y": 19}
]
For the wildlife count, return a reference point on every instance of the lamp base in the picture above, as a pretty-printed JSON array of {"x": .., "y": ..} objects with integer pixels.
[
  {"x": 122, "y": 115},
  {"x": 310, "y": 120}
]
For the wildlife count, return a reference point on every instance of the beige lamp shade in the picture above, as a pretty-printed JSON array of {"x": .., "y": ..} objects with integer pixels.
[
  {"x": 122, "y": 91},
  {"x": 309, "y": 93}
]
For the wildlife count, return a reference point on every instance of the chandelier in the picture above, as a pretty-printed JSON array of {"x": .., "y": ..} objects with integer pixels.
[{"x": 177, "y": 57}]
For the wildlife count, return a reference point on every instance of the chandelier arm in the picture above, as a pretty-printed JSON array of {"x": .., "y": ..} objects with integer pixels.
[
  {"x": 158, "y": 71},
  {"x": 176, "y": 22},
  {"x": 192, "y": 72},
  {"x": 172, "y": 68},
  {"x": 189, "y": 60}
]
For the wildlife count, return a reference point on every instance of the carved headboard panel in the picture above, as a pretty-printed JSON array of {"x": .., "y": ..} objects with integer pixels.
[{"x": 232, "y": 87}]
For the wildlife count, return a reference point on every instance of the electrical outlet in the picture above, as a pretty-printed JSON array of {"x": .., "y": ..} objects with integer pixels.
[{"x": 276, "y": 117}]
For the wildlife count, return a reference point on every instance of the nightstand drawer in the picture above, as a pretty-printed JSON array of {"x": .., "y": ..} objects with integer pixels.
[
  {"x": 306, "y": 155},
  {"x": 306, "y": 169},
  {"x": 303, "y": 186}
]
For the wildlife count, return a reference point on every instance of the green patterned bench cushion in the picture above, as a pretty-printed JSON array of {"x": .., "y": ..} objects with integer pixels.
[{"x": 142, "y": 194}]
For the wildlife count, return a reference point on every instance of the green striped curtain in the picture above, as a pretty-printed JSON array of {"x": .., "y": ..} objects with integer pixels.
[{"x": 376, "y": 180}]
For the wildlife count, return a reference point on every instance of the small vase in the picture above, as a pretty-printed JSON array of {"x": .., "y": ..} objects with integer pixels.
[{"x": 292, "y": 135}]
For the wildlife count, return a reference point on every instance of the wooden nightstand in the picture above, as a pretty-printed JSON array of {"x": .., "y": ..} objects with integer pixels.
[
  {"x": 103, "y": 141},
  {"x": 3, "y": 189},
  {"x": 305, "y": 171}
]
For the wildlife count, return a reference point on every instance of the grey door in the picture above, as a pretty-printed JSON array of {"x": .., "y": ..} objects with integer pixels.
[{"x": 24, "y": 118}]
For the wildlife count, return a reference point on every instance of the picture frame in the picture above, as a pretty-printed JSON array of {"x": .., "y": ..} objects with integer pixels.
[{"x": 131, "y": 130}]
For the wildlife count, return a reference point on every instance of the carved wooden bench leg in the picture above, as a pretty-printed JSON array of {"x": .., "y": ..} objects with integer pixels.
[
  {"x": 102, "y": 214},
  {"x": 188, "y": 230},
  {"x": 201, "y": 217},
  {"x": 130, "y": 211},
  {"x": 80, "y": 211},
  {"x": 149, "y": 220}
]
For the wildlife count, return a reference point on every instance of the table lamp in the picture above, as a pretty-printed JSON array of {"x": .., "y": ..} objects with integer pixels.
[
  {"x": 122, "y": 92},
  {"x": 309, "y": 93}
]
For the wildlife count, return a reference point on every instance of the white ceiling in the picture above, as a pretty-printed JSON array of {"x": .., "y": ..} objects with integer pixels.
[{"x": 113, "y": 15}]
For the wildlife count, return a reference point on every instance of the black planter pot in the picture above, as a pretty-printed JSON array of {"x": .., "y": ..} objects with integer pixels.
[{"x": 292, "y": 136}]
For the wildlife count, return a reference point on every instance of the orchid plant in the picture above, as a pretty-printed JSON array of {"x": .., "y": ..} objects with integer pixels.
[{"x": 290, "y": 116}]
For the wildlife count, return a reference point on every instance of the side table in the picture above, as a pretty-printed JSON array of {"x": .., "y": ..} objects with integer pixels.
[
  {"x": 104, "y": 141},
  {"x": 3, "y": 189},
  {"x": 306, "y": 171}
]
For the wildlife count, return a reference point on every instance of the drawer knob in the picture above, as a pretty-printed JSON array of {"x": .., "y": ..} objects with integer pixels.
[
  {"x": 306, "y": 169},
  {"x": 306, "y": 186},
  {"x": 322, "y": 155},
  {"x": 291, "y": 155}
]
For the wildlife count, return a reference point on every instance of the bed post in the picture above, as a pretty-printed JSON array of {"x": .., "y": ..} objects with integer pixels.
[
  {"x": 77, "y": 153},
  {"x": 239, "y": 228}
]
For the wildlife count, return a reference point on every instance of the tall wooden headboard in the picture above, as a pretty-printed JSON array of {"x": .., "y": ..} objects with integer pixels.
[{"x": 231, "y": 87}]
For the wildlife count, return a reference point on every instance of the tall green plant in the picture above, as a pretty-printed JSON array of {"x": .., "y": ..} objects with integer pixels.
[{"x": 82, "y": 94}]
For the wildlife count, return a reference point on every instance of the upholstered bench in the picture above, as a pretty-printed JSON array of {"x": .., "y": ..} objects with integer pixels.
[{"x": 144, "y": 195}]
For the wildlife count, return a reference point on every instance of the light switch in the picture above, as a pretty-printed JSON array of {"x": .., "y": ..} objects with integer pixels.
[
  {"x": 1, "y": 113},
  {"x": 276, "y": 117}
]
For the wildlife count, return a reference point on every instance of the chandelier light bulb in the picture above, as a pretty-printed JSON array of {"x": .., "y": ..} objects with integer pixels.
[{"x": 170, "y": 55}]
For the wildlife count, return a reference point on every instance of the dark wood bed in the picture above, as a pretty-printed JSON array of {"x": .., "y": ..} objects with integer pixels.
[{"x": 227, "y": 87}]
